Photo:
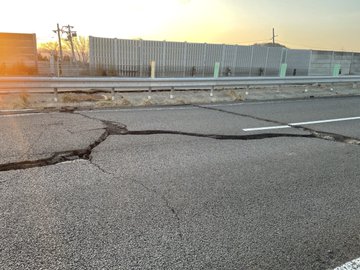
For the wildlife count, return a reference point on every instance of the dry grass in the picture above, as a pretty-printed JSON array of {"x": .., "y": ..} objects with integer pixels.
[
  {"x": 75, "y": 98},
  {"x": 146, "y": 102},
  {"x": 24, "y": 100},
  {"x": 124, "y": 102},
  {"x": 117, "y": 102},
  {"x": 180, "y": 101},
  {"x": 234, "y": 95}
]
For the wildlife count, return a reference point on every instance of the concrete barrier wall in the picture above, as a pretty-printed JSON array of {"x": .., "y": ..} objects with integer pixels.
[{"x": 131, "y": 58}]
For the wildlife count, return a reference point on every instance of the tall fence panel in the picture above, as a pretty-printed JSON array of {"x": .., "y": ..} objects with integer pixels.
[
  {"x": 228, "y": 60},
  {"x": 344, "y": 60},
  {"x": 132, "y": 58},
  {"x": 258, "y": 61},
  {"x": 273, "y": 61},
  {"x": 298, "y": 62},
  {"x": 213, "y": 55},
  {"x": 355, "y": 64},
  {"x": 175, "y": 60},
  {"x": 321, "y": 63},
  {"x": 243, "y": 60},
  {"x": 194, "y": 60}
]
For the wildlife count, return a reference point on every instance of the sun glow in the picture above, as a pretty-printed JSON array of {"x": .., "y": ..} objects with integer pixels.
[{"x": 302, "y": 24}]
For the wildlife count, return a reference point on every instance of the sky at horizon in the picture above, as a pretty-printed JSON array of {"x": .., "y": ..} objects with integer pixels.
[{"x": 309, "y": 24}]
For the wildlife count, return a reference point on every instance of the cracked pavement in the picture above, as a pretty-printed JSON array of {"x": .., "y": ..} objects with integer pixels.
[{"x": 181, "y": 188}]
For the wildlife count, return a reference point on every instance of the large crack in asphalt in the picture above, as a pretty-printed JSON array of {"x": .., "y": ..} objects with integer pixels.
[
  {"x": 55, "y": 158},
  {"x": 328, "y": 136},
  {"x": 116, "y": 128}
]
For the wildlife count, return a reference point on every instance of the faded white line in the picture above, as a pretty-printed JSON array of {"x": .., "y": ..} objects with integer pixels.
[
  {"x": 19, "y": 115},
  {"x": 352, "y": 265},
  {"x": 254, "y": 103},
  {"x": 303, "y": 123},
  {"x": 22, "y": 110}
]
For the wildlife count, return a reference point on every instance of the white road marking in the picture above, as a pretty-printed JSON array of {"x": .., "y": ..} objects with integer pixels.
[
  {"x": 19, "y": 115},
  {"x": 325, "y": 121},
  {"x": 303, "y": 123},
  {"x": 255, "y": 103},
  {"x": 266, "y": 128},
  {"x": 353, "y": 265},
  {"x": 22, "y": 110}
]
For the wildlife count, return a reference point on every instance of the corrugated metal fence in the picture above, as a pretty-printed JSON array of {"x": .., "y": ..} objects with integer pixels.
[{"x": 131, "y": 58}]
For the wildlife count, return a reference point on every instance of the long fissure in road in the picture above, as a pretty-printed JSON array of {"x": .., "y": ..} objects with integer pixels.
[{"x": 120, "y": 129}]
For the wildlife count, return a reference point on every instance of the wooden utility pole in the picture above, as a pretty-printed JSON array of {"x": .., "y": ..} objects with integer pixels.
[
  {"x": 70, "y": 35},
  {"x": 60, "y": 57},
  {"x": 273, "y": 36}
]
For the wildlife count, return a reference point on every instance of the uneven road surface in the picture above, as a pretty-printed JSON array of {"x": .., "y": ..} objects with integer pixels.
[{"x": 266, "y": 185}]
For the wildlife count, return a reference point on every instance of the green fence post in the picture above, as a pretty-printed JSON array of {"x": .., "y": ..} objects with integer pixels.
[
  {"x": 336, "y": 70},
  {"x": 283, "y": 69},
  {"x": 216, "y": 70}
]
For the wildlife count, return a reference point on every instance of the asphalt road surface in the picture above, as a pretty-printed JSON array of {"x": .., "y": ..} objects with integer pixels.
[{"x": 266, "y": 185}]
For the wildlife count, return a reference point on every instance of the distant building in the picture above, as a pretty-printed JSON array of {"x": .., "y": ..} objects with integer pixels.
[{"x": 18, "y": 54}]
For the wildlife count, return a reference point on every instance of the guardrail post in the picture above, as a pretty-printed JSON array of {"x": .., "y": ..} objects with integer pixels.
[
  {"x": 172, "y": 93},
  {"x": 149, "y": 95},
  {"x": 112, "y": 93},
  {"x": 278, "y": 88},
  {"x": 212, "y": 91},
  {"x": 56, "y": 95},
  {"x": 354, "y": 85},
  {"x": 247, "y": 90}
]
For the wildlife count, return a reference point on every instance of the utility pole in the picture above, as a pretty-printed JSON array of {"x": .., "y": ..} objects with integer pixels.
[
  {"x": 70, "y": 35},
  {"x": 58, "y": 30},
  {"x": 273, "y": 36}
]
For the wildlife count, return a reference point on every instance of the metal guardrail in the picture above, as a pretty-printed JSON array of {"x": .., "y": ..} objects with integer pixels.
[
  {"x": 166, "y": 83},
  {"x": 113, "y": 83}
]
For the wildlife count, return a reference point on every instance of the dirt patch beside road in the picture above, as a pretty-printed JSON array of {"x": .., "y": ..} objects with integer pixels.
[{"x": 89, "y": 98}]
